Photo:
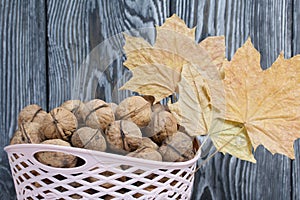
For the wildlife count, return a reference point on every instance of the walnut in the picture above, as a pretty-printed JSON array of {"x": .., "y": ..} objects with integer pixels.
[
  {"x": 123, "y": 136},
  {"x": 146, "y": 153},
  {"x": 113, "y": 106},
  {"x": 56, "y": 159},
  {"x": 18, "y": 138},
  {"x": 162, "y": 125},
  {"x": 135, "y": 109},
  {"x": 59, "y": 124},
  {"x": 31, "y": 131},
  {"x": 28, "y": 133},
  {"x": 98, "y": 114},
  {"x": 89, "y": 138},
  {"x": 31, "y": 113},
  {"x": 76, "y": 107},
  {"x": 177, "y": 148},
  {"x": 147, "y": 142}
]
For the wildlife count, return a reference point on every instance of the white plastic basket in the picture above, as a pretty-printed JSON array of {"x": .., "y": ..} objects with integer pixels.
[{"x": 102, "y": 176}]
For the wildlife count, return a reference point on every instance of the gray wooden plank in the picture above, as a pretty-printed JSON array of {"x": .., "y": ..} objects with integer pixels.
[
  {"x": 296, "y": 27},
  {"x": 295, "y": 51},
  {"x": 22, "y": 71},
  {"x": 296, "y": 172},
  {"x": 269, "y": 25},
  {"x": 74, "y": 28},
  {"x": 78, "y": 27}
]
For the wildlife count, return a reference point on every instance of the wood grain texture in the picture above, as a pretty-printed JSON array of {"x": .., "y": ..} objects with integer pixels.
[
  {"x": 138, "y": 19},
  {"x": 75, "y": 28},
  {"x": 68, "y": 45},
  {"x": 225, "y": 177},
  {"x": 296, "y": 27},
  {"x": 22, "y": 71},
  {"x": 53, "y": 37}
]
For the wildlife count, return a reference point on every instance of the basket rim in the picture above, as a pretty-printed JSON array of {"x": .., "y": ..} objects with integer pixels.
[{"x": 117, "y": 157}]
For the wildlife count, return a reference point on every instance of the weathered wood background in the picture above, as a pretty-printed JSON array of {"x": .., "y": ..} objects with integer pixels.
[{"x": 44, "y": 42}]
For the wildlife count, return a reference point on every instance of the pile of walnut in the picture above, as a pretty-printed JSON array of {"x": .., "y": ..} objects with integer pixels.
[{"x": 135, "y": 128}]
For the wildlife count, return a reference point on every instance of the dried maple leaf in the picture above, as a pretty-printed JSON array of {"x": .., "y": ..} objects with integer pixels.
[
  {"x": 193, "y": 109},
  {"x": 265, "y": 102},
  {"x": 200, "y": 109},
  {"x": 201, "y": 101},
  {"x": 232, "y": 138},
  {"x": 174, "y": 47},
  {"x": 144, "y": 83},
  {"x": 215, "y": 46},
  {"x": 176, "y": 64}
]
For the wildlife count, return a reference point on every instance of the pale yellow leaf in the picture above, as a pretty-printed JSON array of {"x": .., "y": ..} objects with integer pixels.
[
  {"x": 174, "y": 47},
  {"x": 232, "y": 138},
  {"x": 195, "y": 110},
  {"x": 215, "y": 46},
  {"x": 144, "y": 83},
  {"x": 188, "y": 111},
  {"x": 266, "y": 102}
]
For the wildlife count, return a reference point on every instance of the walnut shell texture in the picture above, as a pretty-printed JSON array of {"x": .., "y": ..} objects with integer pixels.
[
  {"x": 177, "y": 148},
  {"x": 98, "y": 114},
  {"x": 113, "y": 106},
  {"x": 147, "y": 142},
  {"x": 162, "y": 125},
  {"x": 28, "y": 133},
  {"x": 76, "y": 107},
  {"x": 31, "y": 113},
  {"x": 57, "y": 159},
  {"x": 59, "y": 124},
  {"x": 18, "y": 138},
  {"x": 89, "y": 138},
  {"x": 123, "y": 136},
  {"x": 135, "y": 109},
  {"x": 146, "y": 153}
]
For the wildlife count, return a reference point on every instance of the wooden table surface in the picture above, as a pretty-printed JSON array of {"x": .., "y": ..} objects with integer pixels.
[{"x": 44, "y": 42}]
